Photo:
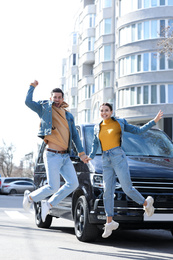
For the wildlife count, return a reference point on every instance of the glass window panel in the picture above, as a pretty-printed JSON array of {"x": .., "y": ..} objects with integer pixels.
[
  {"x": 162, "y": 93},
  {"x": 107, "y": 26},
  {"x": 162, "y": 61},
  {"x": 146, "y": 30},
  {"x": 133, "y": 32},
  {"x": 153, "y": 61},
  {"x": 139, "y": 31},
  {"x": 107, "y": 79},
  {"x": 146, "y": 3},
  {"x": 128, "y": 34},
  {"x": 154, "y": 33},
  {"x": 145, "y": 94},
  {"x": 170, "y": 63},
  {"x": 162, "y": 2},
  {"x": 153, "y": 2},
  {"x": 128, "y": 65},
  {"x": 107, "y": 3},
  {"x": 162, "y": 28},
  {"x": 132, "y": 96},
  {"x": 139, "y": 95},
  {"x": 170, "y": 2},
  {"x": 170, "y": 24},
  {"x": 107, "y": 52},
  {"x": 133, "y": 64},
  {"x": 145, "y": 61},
  {"x": 139, "y": 63},
  {"x": 170, "y": 93},
  {"x": 153, "y": 94},
  {"x": 139, "y": 4}
]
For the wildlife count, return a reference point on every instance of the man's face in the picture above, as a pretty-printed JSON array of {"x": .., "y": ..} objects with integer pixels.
[{"x": 57, "y": 98}]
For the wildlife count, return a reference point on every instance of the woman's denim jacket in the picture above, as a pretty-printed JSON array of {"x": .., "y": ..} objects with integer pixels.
[
  {"x": 125, "y": 127},
  {"x": 44, "y": 111}
]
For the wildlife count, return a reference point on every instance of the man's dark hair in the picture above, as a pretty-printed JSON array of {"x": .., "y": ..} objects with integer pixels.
[
  {"x": 108, "y": 105},
  {"x": 57, "y": 90}
]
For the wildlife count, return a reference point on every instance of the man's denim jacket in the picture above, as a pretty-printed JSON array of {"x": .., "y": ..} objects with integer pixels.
[
  {"x": 125, "y": 127},
  {"x": 44, "y": 111}
]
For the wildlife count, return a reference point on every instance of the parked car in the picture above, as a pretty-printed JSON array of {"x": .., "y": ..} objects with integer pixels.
[
  {"x": 150, "y": 159},
  {"x": 17, "y": 187},
  {"x": 6, "y": 180}
]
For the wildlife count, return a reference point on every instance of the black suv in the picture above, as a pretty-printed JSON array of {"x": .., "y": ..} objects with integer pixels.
[{"x": 150, "y": 158}]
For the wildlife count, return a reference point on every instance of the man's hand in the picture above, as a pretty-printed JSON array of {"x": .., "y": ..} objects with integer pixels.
[
  {"x": 35, "y": 83},
  {"x": 84, "y": 158}
]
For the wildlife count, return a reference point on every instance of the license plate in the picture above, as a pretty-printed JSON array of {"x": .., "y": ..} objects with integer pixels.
[{"x": 159, "y": 217}]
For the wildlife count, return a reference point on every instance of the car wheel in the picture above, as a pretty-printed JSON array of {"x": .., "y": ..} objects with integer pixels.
[
  {"x": 38, "y": 220},
  {"x": 84, "y": 231},
  {"x": 12, "y": 192}
]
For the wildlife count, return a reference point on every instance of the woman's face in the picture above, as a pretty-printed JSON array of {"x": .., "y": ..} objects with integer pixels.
[{"x": 105, "y": 112}]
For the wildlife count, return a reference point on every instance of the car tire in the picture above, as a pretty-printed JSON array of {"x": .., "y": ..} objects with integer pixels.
[
  {"x": 84, "y": 231},
  {"x": 13, "y": 192},
  {"x": 48, "y": 221}
]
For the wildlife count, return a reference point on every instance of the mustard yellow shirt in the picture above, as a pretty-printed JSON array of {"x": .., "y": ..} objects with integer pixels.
[{"x": 109, "y": 135}]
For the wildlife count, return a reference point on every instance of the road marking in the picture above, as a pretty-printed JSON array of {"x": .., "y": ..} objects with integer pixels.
[{"x": 15, "y": 215}]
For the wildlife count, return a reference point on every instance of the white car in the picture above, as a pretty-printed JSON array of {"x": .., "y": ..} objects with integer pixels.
[{"x": 17, "y": 187}]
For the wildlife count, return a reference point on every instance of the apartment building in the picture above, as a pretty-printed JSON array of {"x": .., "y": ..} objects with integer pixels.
[{"x": 115, "y": 59}]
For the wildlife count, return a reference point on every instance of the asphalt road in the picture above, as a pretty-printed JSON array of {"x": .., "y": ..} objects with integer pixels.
[{"x": 20, "y": 239}]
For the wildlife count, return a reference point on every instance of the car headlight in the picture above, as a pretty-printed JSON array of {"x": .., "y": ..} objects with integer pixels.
[{"x": 96, "y": 180}]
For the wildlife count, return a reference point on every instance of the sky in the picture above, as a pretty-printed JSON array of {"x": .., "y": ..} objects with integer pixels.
[{"x": 33, "y": 40}]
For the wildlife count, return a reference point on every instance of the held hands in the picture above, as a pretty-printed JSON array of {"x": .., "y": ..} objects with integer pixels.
[
  {"x": 85, "y": 158},
  {"x": 158, "y": 116},
  {"x": 35, "y": 83}
]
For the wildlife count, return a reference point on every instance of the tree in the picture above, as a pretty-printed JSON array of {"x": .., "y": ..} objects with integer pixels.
[
  {"x": 6, "y": 159},
  {"x": 165, "y": 43}
]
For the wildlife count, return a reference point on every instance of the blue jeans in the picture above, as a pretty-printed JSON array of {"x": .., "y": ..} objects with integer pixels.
[
  {"x": 55, "y": 165},
  {"x": 115, "y": 163}
]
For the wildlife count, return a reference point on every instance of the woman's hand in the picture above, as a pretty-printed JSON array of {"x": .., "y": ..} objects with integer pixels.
[{"x": 158, "y": 116}]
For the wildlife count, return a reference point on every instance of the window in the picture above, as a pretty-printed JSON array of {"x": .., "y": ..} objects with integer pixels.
[
  {"x": 73, "y": 103},
  {"x": 107, "y": 52},
  {"x": 162, "y": 61},
  {"x": 146, "y": 3},
  {"x": 154, "y": 33},
  {"x": 146, "y": 62},
  {"x": 162, "y": 93},
  {"x": 107, "y": 3},
  {"x": 107, "y": 26},
  {"x": 74, "y": 59},
  {"x": 74, "y": 38},
  {"x": 91, "y": 41},
  {"x": 170, "y": 63},
  {"x": 162, "y": 2},
  {"x": 139, "y": 31},
  {"x": 153, "y": 3},
  {"x": 133, "y": 32},
  {"x": 170, "y": 2},
  {"x": 146, "y": 30},
  {"x": 139, "y": 4},
  {"x": 139, "y": 63},
  {"x": 145, "y": 95},
  {"x": 133, "y": 63},
  {"x": 170, "y": 93},
  {"x": 139, "y": 95},
  {"x": 107, "y": 79},
  {"x": 153, "y": 94},
  {"x": 162, "y": 28},
  {"x": 132, "y": 96},
  {"x": 153, "y": 61}
]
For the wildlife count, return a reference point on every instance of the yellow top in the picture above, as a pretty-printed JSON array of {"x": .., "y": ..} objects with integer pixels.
[{"x": 109, "y": 134}]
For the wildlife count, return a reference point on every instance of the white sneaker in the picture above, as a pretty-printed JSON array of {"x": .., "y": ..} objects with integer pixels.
[
  {"x": 26, "y": 202},
  {"x": 149, "y": 209},
  {"x": 44, "y": 209},
  {"x": 109, "y": 227}
]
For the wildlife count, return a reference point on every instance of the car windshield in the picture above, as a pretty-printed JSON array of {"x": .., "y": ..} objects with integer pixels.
[{"x": 151, "y": 143}]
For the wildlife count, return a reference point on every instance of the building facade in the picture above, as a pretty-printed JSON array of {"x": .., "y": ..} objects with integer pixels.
[{"x": 115, "y": 59}]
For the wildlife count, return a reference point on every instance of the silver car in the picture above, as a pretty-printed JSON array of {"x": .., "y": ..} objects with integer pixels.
[{"x": 17, "y": 187}]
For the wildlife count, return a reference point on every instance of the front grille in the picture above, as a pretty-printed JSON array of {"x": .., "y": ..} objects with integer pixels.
[{"x": 151, "y": 186}]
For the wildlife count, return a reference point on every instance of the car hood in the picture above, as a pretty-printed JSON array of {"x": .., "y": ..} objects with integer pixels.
[{"x": 148, "y": 167}]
